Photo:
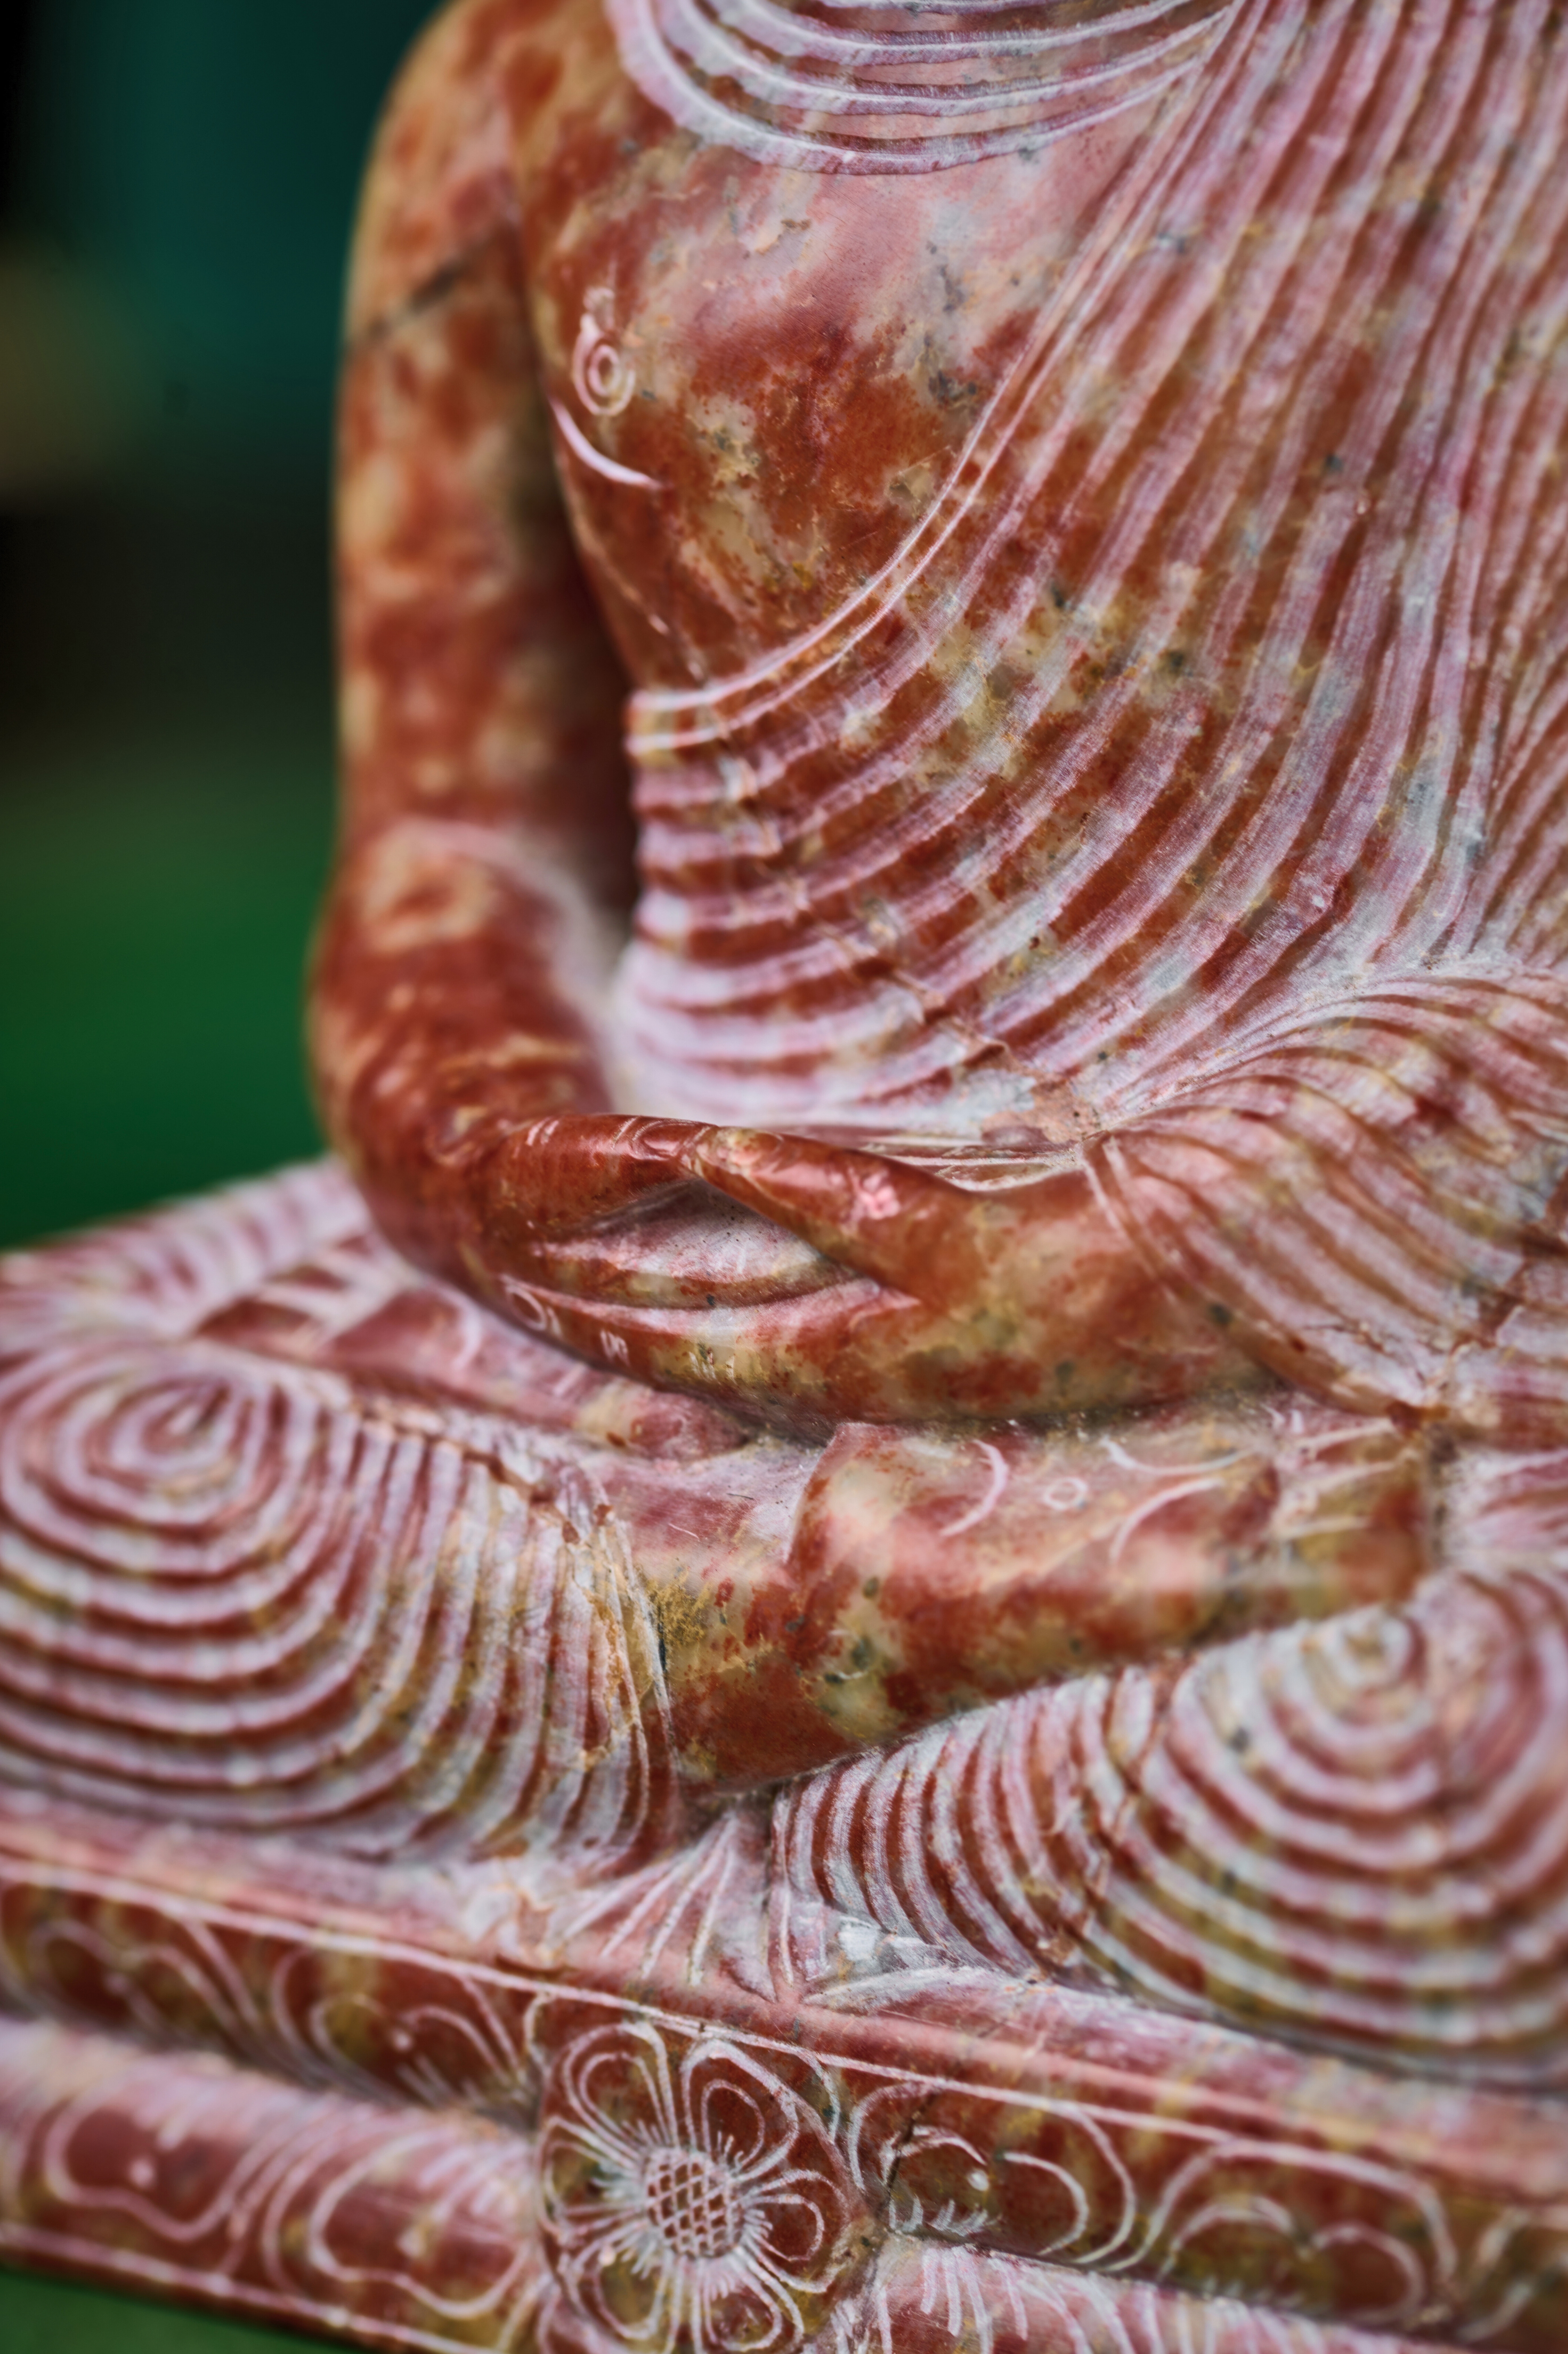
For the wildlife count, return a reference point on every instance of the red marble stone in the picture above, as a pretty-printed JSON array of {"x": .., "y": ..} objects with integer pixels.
[{"x": 865, "y": 1645}]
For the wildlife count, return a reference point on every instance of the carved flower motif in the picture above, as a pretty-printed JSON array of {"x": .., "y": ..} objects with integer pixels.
[{"x": 693, "y": 2203}]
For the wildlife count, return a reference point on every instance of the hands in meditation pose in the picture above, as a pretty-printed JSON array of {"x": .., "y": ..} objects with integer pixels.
[{"x": 950, "y": 955}]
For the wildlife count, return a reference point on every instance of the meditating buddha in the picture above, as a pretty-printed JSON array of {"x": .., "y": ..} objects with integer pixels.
[{"x": 942, "y": 1362}]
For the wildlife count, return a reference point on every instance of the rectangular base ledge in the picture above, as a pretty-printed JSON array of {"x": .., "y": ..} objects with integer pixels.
[{"x": 186, "y": 2177}]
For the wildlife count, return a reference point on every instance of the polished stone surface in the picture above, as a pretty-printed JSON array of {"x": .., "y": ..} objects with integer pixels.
[{"x": 859, "y": 1638}]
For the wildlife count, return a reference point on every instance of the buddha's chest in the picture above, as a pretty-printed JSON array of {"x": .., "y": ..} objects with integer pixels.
[{"x": 762, "y": 377}]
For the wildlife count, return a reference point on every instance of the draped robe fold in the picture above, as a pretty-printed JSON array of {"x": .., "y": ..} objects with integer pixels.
[{"x": 1187, "y": 792}]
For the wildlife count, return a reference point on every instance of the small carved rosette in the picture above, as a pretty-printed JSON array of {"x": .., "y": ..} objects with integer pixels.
[{"x": 690, "y": 2201}]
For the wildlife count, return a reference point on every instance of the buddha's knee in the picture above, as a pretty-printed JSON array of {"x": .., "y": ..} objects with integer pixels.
[{"x": 1353, "y": 1832}]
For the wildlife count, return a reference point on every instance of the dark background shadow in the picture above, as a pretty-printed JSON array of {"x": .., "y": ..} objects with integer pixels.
[{"x": 176, "y": 185}]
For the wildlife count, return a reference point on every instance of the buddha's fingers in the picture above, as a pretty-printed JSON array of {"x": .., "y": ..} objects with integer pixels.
[
  {"x": 641, "y": 1213},
  {"x": 1027, "y": 1302},
  {"x": 900, "y": 1225},
  {"x": 792, "y": 1362},
  {"x": 1038, "y": 1284},
  {"x": 876, "y": 1217},
  {"x": 558, "y": 1177},
  {"x": 827, "y": 1348}
]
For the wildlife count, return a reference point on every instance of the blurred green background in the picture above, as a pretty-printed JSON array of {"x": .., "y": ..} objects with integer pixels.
[
  {"x": 176, "y": 185},
  {"x": 39, "y": 2317}
]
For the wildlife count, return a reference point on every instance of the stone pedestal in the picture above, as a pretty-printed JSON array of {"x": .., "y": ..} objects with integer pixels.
[{"x": 356, "y": 1980}]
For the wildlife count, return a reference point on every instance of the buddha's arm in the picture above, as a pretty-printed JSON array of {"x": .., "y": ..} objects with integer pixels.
[{"x": 484, "y": 832}]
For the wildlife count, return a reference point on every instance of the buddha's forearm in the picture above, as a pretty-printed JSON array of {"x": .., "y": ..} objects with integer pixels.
[
  {"x": 439, "y": 1025},
  {"x": 486, "y": 836}
]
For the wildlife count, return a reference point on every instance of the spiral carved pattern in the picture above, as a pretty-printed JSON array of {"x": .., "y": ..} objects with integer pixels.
[
  {"x": 246, "y": 1595},
  {"x": 1354, "y": 1833},
  {"x": 166, "y": 1272}
]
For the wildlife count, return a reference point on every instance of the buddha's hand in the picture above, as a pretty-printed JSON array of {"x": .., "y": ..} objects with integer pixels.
[
  {"x": 808, "y": 1281},
  {"x": 804, "y": 1281}
]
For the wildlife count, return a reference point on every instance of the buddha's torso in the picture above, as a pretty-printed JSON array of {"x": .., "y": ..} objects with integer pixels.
[
  {"x": 962, "y": 819},
  {"x": 766, "y": 381}
]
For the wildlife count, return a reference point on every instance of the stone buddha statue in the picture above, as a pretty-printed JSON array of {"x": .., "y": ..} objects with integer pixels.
[{"x": 874, "y": 1603}]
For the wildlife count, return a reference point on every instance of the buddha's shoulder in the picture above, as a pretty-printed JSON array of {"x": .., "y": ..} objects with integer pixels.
[
  {"x": 442, "y": 170},
  {"x": 500, "y": 103}
]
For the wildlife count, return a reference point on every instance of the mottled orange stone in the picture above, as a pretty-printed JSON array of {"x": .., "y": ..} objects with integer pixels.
[{"x": 869, "y": 1649}]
